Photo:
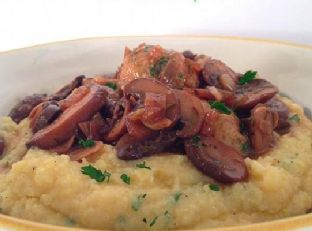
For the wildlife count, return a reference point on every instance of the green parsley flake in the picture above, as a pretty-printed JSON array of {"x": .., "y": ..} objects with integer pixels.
[
  {"x": 158, "y": 66},
  {"x": 196, "y": 141},
  {"x": 142, "y": 165},
  {"x": 70, "y": 222},
  {"x": 125, "y": 178},
  {"x": 214, "y": 187},
  {"x": 152, "y": 71},
  {"x": 95, "y": 174},
  {"x": 146, "y": 48},
  {"x": 220, "y": 107},
  {"x": 247, "y": 77},
  {"x": 86, "y": 143},
  {"x": 245, "y": 147},
  {"x": 295, "y": 118},
  {"x": 177, "y": 196},
  {"x": 111, "y": 85},
  {"x": 181, "y": 76},
  {"x": 137, "y": 203},
  {"x": 153, "y": 221}
]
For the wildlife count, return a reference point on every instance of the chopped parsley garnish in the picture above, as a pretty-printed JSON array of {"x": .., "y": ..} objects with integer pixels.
[
  {"x": 245, "y": 147},
  {"x": 158, "y": 66},
  {"x": 136, "y": 204},
  {"x": 86, "y": 143},
  {"x": 295, "y": 118},
  {"x": 70, "y": 222},
  {"x": 153, "y": 222},
  {"x": 143, "y": 165},
  {"x": 111, "y": 85},
  {"x": 146, "y": 48},
  {"x": 247, "y": 77},
  {"x": 177, "y": 196},
  {"x": 125, "y": 178},
  {"x": 95, "y": 174},
  {"x": 152, "y": 71},
  {"x": 181, "y": 76},
  {"x": 196, "y": 141},
  {"x": 220, "y": 107},
  {"x": 214, "y": 187}
]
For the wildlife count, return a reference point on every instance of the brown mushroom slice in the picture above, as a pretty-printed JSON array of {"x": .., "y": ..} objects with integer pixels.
[
  {"x": 213, "y": 93},
  {"x": 22, "y": 110},
  {"x": 142, "y": 86},
  {"x": 216, "y": 73},
  {"x": 192, "y": 114},
  {"x": 154, "y": 112},
  {"x": 75, "y": 96},
  {"x": 278, "y": 106},
  {"x": 95, "y": 128},
  {"x": 2, "y": 145},
  {"x": 136, "y": 128},
  {"x": 80, "y": 153},
  {"x": 130, "y": 148},
  {"x": 102, "y": 80},
  {"x": 211, "y": 116},
  {"x": 64, "y": 126},
  {"x": 189, "y": 54},
  {"x": 171, "y": 70},
  {"x": 44, "y": 115},
  {"x": 67, "y": 89},
  {"x": 65, "y": 147},
  {"x": 120, "y": 126},
  {"x": 262, "y": 123},
  {"x": 257, "y": 91},
  {"x": 217, "y": 160}
]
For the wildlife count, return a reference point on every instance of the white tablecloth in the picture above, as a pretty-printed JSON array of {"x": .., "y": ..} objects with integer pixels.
[{"x": 29, "y": 22}]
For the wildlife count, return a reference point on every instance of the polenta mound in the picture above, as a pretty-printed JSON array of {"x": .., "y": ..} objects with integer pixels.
[{"x": 168, "y": 192}]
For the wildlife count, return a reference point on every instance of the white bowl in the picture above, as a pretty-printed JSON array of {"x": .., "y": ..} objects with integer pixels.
[{"x": 45, "y": 68}]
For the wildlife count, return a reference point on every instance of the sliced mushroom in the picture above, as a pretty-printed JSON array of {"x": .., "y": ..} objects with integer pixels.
[
  {"x": 130, "y": 148},
  {"x": 142, "y": 86},
  {"x": 136, "y": 128},
  {"x": 44, "y": 115},
  {"x": 213, "y": 93},
  {"x": 278, "y": 106},
  {"x": 25, "y": 106},
  {"x": 2, "y": 145},
  {"x": 102, "y": 80},
  {"x": 96, "y": 128},
  {"x": 154, "y": 112},
  {"x": 192, "y": 114},
  {"x": 257, "y": 91},
  {"x": 222, "y": 127},
  {"x": 66, "y": 90},
  {"x": 80, "y": 153},
  {"x": 189, "y": 54},
  {"x": 65, "y": 147},
  {"x": 64, "y": 126},
  {"x": 217, "y": 160},
  {"x": 75, "y": 96},
  {"x": 262, "y": 123},
  {"x": 119, "y": 127},
  {"x": 216, "y": 73},
  {"x": 173, "y": 71}
]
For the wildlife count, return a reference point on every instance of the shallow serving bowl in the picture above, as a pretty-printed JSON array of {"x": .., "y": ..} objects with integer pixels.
[{"x": 46, "y": 67}]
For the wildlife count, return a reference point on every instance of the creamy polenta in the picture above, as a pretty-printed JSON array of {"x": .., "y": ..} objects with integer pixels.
[{"x": 168, "y": 192}]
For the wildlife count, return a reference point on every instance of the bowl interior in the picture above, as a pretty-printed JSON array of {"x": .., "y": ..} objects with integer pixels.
[{"x": 45, "y": 68}]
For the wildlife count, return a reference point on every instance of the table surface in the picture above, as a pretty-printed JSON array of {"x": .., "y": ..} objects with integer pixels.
[{"x": 29, "y": 22}]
